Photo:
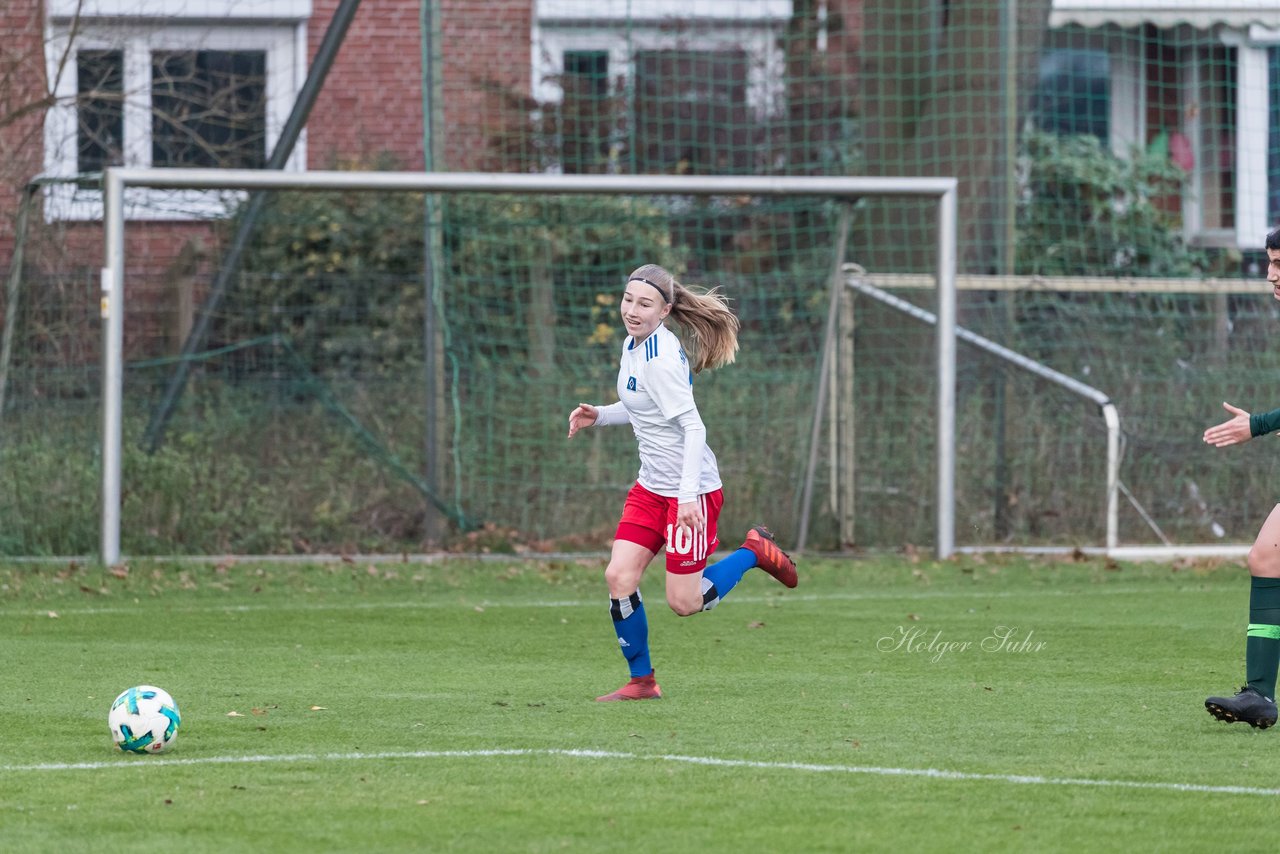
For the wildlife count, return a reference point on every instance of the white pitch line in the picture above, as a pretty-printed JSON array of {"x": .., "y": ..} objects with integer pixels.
[
  {"x": 927, "y": 773},
  {"x": 779, "y": 599}
]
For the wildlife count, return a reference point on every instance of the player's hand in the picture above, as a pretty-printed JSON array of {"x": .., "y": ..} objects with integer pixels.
[
  {"x": 583, "y": 416},
  {"x": 1231, "y": 432},
  {"x": 689, "y": 515}
]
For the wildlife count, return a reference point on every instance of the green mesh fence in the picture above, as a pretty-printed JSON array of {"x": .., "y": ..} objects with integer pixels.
[
  {"x": 302, "y": 425},
  {"x": 1118, "y": 171},
  {"x": 1031, "y": 455}
]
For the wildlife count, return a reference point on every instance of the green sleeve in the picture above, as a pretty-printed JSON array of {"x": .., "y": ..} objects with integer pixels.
[{"x": 1264, "y": 423}]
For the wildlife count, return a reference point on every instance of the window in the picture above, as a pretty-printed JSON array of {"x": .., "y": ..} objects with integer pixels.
[
  {"x": 141, "y": 92},
  {"x": 691, "y": 112},
  {"x": 1214, "y": 109},
  {"x": 208, "y": 109},
  {"x": 100, "y": 99},
  {"x": 585, "y": 113},
  {"x": 1074, "y": 92},
  {"x": 620, "y": 79}
]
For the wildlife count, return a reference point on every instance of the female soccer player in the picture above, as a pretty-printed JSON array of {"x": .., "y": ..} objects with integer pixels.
[
  {"x": 1255, "y": 703},
  {"x": 677, "y": 497}
]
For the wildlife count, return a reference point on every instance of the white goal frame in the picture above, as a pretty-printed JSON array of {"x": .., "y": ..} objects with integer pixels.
[{"x": 116, "y": 181}]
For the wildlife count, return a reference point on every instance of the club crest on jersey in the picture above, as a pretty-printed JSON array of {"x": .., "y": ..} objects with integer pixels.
[{"x": 631, "y": 383}]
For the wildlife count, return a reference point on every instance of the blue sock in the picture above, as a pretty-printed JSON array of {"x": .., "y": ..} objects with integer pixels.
[
  {"x": 723, "y": 575},
  {"x": 632, "y": 627}
]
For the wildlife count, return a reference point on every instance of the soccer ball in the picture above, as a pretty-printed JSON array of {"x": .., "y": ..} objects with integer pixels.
[{"x": 144, "y": 719}]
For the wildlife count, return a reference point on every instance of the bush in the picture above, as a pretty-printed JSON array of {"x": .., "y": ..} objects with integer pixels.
[
  {"x": 1085, "y": 212},
  {"x": 341, "y": 274}
]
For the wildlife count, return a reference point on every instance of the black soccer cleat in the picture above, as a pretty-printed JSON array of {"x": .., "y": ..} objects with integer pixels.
[{"x": 1247, "y": 706}]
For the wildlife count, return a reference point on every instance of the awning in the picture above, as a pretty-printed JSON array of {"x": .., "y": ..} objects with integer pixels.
[{"x": 1201, "y": 14}]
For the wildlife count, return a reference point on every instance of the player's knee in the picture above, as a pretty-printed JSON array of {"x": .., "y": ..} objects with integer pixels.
[
  {"x": 684, "y": 607},
  {"x": 621, "y": 580},
  {"x": 1264, "y": 561}
]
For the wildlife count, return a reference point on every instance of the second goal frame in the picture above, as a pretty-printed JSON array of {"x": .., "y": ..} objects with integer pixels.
[{"x": 117, "y": 180}]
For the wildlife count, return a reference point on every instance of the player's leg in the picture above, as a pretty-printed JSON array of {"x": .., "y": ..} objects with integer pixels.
[
  {"x": 638, "y": 539},
  {"x": 687, "y": 550},
  {"x": 758, "y": 549},
  {"x": 1264, "y": 556},
  {"x": 1254, "y": 704},
  {"x": 1262, "y": 648},
  {"x": 687, "y": 595},
  {"x": 692, "y": 586}
]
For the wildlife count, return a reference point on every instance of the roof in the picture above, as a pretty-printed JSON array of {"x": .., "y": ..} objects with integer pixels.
[{"x": 1201, "y": 14}]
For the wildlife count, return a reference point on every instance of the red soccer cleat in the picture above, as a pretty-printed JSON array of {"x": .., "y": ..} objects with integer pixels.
[
  {"x": 639, "y": 688},
  {"x": 769, "y": 557}
]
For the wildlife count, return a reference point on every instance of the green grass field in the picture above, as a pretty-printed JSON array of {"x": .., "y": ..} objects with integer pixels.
[{"x": 448, "y": 706}]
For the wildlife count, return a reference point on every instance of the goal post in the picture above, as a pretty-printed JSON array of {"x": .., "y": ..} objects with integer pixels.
[
  {"x": 855, "y": 281},
  {"x": 118, "y": 181}
]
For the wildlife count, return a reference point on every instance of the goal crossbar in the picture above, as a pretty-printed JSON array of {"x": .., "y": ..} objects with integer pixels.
[{"x": 117, "y": 180}]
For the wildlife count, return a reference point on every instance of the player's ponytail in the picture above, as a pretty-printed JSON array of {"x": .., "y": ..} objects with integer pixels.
[{"x": 704, "y": 312}]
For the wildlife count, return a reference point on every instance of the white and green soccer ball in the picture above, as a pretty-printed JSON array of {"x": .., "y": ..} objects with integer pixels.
[{"x": 144, "y": 719}]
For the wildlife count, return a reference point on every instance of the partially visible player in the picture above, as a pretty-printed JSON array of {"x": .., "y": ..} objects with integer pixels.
[
  {"x": 1255, "y": 703},
  {"x": 675, "y": 503}
]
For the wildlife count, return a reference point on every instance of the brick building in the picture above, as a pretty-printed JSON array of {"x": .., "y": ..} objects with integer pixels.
[
  {"x": 370, "y": 110},
  {"x": 146, "y": 82}
]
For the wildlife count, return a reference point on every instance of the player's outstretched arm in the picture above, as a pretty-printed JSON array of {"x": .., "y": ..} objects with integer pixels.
[{"x": 1234, "y": 431}]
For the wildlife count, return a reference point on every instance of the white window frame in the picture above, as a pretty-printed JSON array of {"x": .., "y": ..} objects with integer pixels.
[
  {"x": 1194, "y": 229},
  {"x": 1128, "y": 115},
  {"x": 283, "y": 42},
  {"x": 1250, "y": 155},
  {"x": 623, "y": 29},
  {"x": 1253, "y": 113},
  {"x": 173, "y": 10},
  {"x": 765, "y": 88}
]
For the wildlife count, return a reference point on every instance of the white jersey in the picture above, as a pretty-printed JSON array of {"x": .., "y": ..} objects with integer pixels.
[{"x": 655, "y": 384}]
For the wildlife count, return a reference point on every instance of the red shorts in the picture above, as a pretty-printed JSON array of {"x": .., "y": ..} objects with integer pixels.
[{"x": 649, "y": 520}]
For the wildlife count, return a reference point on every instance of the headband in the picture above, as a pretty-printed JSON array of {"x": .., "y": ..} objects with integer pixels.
[{"x": 654, "y": 285}]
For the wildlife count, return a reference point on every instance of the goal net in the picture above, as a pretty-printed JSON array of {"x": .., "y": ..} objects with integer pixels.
[
  {"x": 1032, "y": 451},
  {"x": 391, "y": 369}
]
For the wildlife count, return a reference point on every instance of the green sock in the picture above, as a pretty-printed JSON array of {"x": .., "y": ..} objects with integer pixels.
[{"x": 1262, "y": 646}]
